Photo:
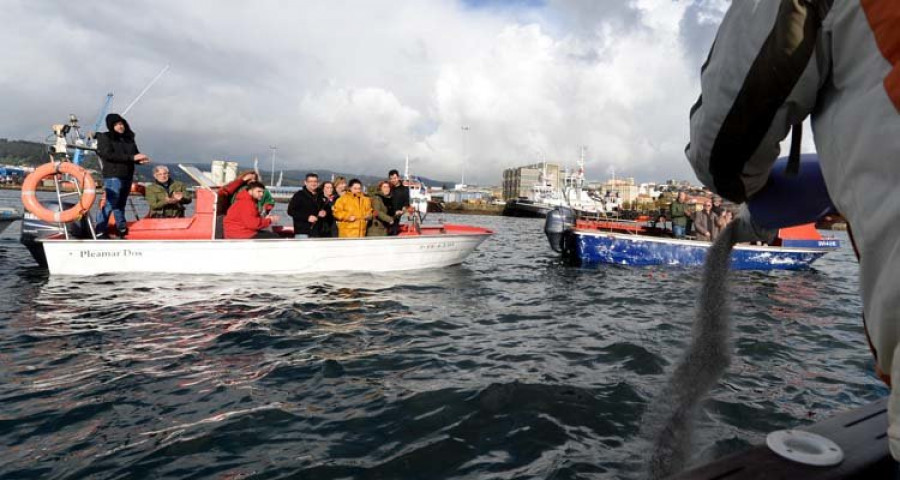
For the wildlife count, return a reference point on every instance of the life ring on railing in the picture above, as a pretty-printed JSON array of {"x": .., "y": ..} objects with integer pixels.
[{"x": 81, "y": 176}]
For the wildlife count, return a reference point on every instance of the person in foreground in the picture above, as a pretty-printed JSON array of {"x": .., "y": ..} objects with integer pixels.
[
  {"x": 383, "y": 218},
  {"x": 118, "y": 155},
  {"x": 353, "y": 211},
  {"x": 166, "y": 197},
  {"x": 774, "y": 63},
  {"x": 243, "y": 220}
]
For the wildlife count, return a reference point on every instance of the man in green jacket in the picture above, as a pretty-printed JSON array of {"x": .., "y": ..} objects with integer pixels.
[
  {"x": 165, "y": 196},
  {"x": 678, "y": 212}
]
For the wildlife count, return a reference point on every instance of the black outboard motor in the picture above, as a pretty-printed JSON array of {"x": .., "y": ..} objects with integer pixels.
[
  {"x": 558, "y": 221},
  {"x": 34, "y": 229}
]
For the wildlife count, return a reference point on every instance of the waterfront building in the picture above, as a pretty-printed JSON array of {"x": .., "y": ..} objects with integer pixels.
[{"x": 519, "y": 182}]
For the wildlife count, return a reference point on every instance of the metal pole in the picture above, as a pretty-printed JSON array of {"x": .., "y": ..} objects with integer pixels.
[
  {"x": 273, "y": 147},
  {"x": 145, "y": 90},
  {"x": 465, "y": 130}
]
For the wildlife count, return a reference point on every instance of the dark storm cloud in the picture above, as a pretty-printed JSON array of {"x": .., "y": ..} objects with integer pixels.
[{"x": 698, "y": 29}]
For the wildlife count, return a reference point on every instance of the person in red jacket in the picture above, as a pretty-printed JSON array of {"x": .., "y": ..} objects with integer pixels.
[{"x": 243, "y": 221}]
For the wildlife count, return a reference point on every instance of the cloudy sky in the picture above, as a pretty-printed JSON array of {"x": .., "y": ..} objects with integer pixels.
[{"x": 358, "y": 85}]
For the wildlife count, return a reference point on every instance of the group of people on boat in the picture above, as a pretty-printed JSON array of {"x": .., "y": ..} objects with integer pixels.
[
  {"x": 331, "y": 209},
  {"x": 703, "y": 224},
  {"x": 342, "y": 209}
]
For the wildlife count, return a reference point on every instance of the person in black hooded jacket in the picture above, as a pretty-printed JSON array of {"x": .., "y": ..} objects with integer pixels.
[
  {"x": 307, "y": 209},
  {"x": 118, "y": 155}
]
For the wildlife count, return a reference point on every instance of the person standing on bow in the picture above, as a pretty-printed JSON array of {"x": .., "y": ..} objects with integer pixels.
[
  {"x": 166, "y": 197},
  {"x": 353, "y": 211},
  {"x": 118, "y": 155}
]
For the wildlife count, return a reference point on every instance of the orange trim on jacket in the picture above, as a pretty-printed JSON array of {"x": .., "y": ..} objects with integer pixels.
[{"x": 884, "y": 18}]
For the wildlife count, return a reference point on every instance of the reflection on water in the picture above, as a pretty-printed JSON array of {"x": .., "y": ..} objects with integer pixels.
[{"x": 511, "y": 365}]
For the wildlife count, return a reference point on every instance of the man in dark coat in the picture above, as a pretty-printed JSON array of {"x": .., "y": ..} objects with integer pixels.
[
  {"x": 307, "y": 208},
  {"x": 118, "y": 155},
  {"x": 399, "y": 199}
]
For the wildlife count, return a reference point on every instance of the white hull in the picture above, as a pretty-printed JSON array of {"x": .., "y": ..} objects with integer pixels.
[{"x": 268, "y": 257}]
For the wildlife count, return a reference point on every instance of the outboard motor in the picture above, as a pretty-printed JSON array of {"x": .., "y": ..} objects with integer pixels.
[
  {"x": 34, "y": 229},
  {"x": 558, "y": 221}
]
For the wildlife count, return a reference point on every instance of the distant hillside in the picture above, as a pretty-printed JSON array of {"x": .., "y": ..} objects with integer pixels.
[
  {"x": 22, "y": 152},
  {"x": 32, "y": 154},
  {"x": 296, "y": 177}
]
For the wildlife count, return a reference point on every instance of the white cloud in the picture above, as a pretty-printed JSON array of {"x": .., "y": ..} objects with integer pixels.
[{"x": 356, "y": 86}]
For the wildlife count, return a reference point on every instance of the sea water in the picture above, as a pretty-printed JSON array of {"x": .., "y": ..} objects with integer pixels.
[
  {"x": 511, "y": 365},
  {"x": 671, "y": 417}
]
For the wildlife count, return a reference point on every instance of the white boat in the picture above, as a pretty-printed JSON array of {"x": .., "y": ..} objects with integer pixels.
[
  {"x": 192, "y": 246},
  {"x": 448, "y": 245}
]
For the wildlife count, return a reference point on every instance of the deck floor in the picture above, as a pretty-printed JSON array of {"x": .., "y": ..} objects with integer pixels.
[{"x": 861, "y": 433}]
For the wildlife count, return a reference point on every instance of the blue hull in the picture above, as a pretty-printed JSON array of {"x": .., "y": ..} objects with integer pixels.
[{"x": 623, "y": 249}]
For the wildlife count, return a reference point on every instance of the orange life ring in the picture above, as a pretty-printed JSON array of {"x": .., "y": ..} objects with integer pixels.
[{"x": 82, "y": 177}]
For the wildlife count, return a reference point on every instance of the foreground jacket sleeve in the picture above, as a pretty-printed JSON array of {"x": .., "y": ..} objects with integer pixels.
[
  {"x": 107, "y": 153},
  {"x": 762, "y": 76}
]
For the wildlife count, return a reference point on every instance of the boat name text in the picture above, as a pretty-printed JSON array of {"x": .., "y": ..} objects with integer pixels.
[
  {"x": 438, "y": 245},
  {"x": 110, "y": 253}
]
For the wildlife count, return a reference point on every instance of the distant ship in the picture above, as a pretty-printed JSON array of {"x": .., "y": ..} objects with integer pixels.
[{"x": 543, "y": 197}]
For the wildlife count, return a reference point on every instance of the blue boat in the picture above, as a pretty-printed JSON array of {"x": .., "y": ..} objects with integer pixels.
[{"x": 641, "y": 244}]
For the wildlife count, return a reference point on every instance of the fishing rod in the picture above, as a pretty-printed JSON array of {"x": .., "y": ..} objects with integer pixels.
[{"x": 158, "y": 75}]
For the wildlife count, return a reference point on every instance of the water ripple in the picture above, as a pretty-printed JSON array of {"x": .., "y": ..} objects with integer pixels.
[{"x": 512, "y": 365}]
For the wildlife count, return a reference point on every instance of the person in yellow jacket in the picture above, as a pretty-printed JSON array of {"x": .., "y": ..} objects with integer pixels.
[{"x": 353, "y": 211}]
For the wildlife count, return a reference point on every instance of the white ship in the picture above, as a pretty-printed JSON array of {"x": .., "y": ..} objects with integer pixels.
[{"x": 571, "y": 193}]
